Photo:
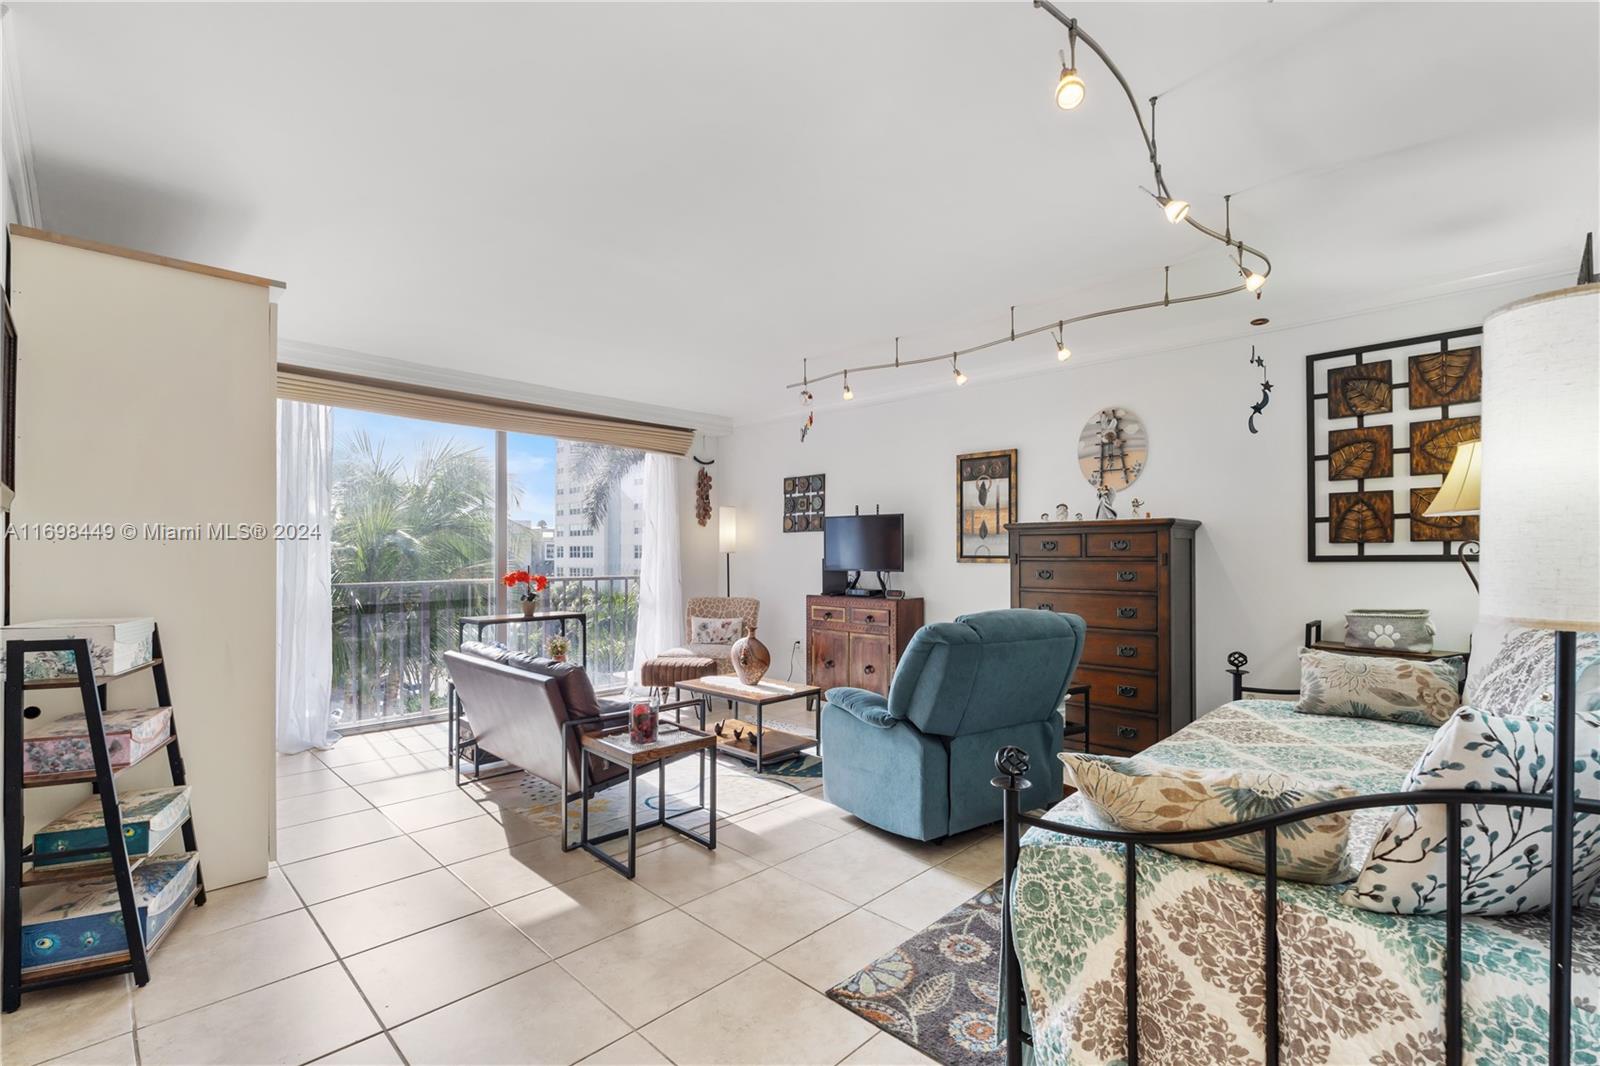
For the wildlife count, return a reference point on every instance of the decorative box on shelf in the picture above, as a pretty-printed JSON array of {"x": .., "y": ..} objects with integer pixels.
[
  {"x": 116, "y": 645},
  {"x": 81, "y": 922},
  {"x": 62, "y": 747},
  {"x": 148, "y": 815}
]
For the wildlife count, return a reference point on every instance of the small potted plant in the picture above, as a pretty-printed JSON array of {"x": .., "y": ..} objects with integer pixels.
[
  {"x": 559, "y": 646},
  {"x": 532, "y": 585}
]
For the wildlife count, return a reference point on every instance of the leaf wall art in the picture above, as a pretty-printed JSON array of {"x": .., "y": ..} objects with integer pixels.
[{"x": 1382, "y": 428}]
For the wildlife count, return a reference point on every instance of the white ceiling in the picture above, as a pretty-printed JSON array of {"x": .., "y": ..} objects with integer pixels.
[{"x": 675, "y": 203}]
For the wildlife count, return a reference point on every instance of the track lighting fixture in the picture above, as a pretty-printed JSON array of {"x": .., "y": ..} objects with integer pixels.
[
  {"x": 1069, "y": 89},
  {"x": 1070, "y": 92}
]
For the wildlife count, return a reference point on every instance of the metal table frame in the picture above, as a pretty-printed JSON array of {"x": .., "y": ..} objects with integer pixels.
[{"x": 706, "y": 753}]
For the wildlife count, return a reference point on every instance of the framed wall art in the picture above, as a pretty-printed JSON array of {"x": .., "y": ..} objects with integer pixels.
[
  {"x": 804, "y": 500},
  {"x": 1382, "y": 426},
  {"x": 986, "y": 502}
]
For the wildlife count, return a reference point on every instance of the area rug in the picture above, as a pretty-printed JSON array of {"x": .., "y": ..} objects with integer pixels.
[{"x": 940, "y": 990}]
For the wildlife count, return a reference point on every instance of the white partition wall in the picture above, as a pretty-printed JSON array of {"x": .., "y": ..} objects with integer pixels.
[{"x": 146, "y": 396}]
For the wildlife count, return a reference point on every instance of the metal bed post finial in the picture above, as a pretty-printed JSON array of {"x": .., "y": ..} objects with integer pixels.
[
  {"x": 1236, "y": 667},
  {"x": 1010, "y": 763}
]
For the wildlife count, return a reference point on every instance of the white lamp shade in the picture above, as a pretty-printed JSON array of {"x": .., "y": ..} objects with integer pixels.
[
  {"x": 727, "y": 529},
  {"x": 1541, "y": 464},
  {"x": 1459, "y": 493}
]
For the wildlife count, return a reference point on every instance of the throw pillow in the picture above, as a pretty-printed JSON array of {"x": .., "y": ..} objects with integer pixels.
[
  {"x": 715, "y": 630},
  {"x": 1520, "y": 680},
  {"x": 1140, "y": 795},
  {"x": 1369, "y": 686},
  {"x": 1505, "y": 851},
  {"x": 484, "y": 649}
]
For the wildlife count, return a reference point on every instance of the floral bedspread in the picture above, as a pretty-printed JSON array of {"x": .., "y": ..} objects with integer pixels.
[{"x": 1356, "y": 986}]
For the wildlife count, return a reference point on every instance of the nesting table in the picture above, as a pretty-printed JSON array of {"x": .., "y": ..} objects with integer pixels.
[{"x": 616, "y": 747}]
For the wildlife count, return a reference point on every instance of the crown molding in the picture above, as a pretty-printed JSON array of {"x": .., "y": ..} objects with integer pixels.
[
  {"x": 18, "y": 141},
  {"x": 362, "y": 364}
]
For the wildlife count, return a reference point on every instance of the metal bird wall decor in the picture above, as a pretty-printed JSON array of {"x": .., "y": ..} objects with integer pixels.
[{"x": 1266, "y": 389}]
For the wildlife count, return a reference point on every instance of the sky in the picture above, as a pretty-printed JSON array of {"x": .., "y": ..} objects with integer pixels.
[{"x": 530, "y": 461}]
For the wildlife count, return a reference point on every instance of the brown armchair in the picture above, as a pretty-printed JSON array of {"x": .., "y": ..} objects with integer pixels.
[{"x": 745, "y": 608}]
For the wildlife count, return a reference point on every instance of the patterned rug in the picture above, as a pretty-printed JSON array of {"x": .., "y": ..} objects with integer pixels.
[{"x": 940, "y": 990}]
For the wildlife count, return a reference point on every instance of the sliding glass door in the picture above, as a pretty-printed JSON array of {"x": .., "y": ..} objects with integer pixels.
[{"x": 428, "y": 516}]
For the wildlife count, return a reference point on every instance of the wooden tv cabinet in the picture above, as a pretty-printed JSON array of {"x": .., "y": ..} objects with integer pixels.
[{"x": 857, "y": 640}]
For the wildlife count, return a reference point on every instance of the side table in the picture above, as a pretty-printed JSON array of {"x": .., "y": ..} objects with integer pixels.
[{"x": 616, "y": 747}]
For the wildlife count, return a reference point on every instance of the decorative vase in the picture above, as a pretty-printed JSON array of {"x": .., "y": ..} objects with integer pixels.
[
  {"x": 750, "y": 657},
  {"x": 528, "y": 607},
  {"x": 642, "y": 723}
]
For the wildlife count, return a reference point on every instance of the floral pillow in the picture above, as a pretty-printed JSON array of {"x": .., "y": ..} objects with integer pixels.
[
  {"x": 715, "y": 630},
  {"x": 1505, "y": 851},
  {"x": 1139, "y": 795},
  {"x": 1521, "y": 678},
  {"x": 1368, "y": 686}
]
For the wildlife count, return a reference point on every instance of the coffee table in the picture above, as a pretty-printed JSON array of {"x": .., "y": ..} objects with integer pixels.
[
  {"x": 616, "y": 747},
  {"x": 761, "y": 745}
]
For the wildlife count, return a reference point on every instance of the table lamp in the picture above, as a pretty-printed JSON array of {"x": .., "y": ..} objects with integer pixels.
[
  {"x": 1541, "y": 530},
  {"x": 1459, "y": 496}
]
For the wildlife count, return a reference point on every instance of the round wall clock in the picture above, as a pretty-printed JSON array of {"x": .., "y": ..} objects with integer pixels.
[{"x": 1113, "y": 448}]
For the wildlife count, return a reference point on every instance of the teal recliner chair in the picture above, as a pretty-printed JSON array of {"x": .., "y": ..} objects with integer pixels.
[{"x": 919, "y": 762}]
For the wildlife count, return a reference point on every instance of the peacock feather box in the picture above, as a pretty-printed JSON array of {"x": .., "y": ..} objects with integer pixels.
[
  {"x": 148, "y": 815},
  {"x": 62, "y": 746},
  {"x": 81, "y": 922},
  {"x": 115, "y": 645}
]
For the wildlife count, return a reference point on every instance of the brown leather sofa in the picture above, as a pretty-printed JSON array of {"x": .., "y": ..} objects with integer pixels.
[{"x": 529, "y": 712}]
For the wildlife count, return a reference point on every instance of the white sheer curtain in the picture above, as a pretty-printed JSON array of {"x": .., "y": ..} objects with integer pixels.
[
  {"x": 305, "y": 576},
  {"x": 660, "y": 564}
]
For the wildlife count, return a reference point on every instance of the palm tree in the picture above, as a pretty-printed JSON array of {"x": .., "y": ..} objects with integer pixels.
[
  {"x": 599, "y": 469},
  {"x": 437, "y": 521}
]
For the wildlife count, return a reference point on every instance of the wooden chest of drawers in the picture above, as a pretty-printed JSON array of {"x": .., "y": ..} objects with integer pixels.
[
  {"x": 1132, "y": 582},
  {"x": 857, "y": 640}
]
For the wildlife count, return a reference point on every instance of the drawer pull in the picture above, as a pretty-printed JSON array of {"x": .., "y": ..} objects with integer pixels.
[
  {"x": 1127, "y": 651},
  {"x": 827, "y": 614},
  {"x": 1048, "y": 545},
  {"x": 1127, "y": 732},
  {"x": 1046, "y": 575},
  {"x": 1127, "y": 612},
  {"x": 1047, "y": 607},
  {"x": 828, "y": 663},
  {"x": 871, "y": 619},
  {"x": 869, "y": 669},
  {"x": 1128, "y": 691},
  {"x": 1127, "y": 575},
  {"x": 1120, "y": 545}
]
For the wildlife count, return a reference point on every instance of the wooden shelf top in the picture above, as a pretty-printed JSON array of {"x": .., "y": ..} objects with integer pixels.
[{"x": 19, "y": 230}]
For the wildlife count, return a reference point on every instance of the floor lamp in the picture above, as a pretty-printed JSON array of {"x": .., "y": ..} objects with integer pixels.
[
  {"x": 728, "y": 539},
  {"x": 1541, "y": 534}
]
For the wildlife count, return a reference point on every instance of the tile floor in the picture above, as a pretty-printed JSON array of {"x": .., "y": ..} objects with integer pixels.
[{"x": 410, "y": 921}]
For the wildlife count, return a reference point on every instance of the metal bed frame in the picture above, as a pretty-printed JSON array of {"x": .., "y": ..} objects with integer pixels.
[{"x": 1012, "y": 763}]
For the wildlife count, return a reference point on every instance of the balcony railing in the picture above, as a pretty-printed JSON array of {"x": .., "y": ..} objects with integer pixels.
[{"x": 389, "y": 639}]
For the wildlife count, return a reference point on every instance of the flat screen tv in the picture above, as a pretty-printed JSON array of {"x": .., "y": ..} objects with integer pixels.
[{"x": 864, "y": 542}]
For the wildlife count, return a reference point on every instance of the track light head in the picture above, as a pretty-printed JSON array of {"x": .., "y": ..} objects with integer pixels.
[
  {"x": 1063, "y": 353},
  {"x": 955, "y": 368},
  {"x": 1252, "y": 280},
  {"x": 1176, "y": 210},
  {"x": 849, "y": 393},
  {"x": 1069, "y": 89}
]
